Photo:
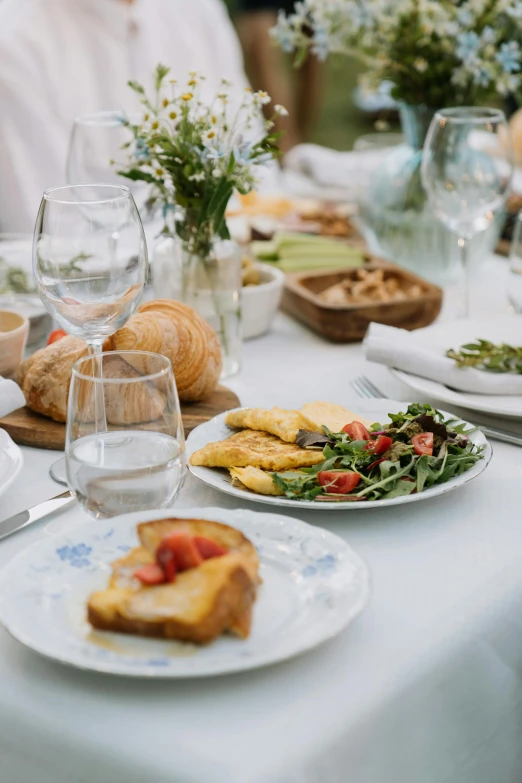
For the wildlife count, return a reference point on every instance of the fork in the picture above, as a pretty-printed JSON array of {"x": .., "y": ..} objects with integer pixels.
[{"x": 368, "y": 390}]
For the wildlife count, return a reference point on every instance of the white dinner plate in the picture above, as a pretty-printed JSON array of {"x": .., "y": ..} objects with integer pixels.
[
  {"x": 216, "y": 429},
  {"x": 313, "y": 586},
  {"x": 453, "y": 334},
  {"x": 11, "y": 461}
]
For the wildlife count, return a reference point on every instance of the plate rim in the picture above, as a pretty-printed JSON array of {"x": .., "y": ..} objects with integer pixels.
[
  {"x": 17, "y": 458},
  {"x": 144, "y": 671},
  {"x": 310, "y": 505},
  {"x": 447, "y": 395}
]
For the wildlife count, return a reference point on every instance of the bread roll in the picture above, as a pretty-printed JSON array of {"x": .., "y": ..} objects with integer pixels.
[{"x": 164, "y": 326}]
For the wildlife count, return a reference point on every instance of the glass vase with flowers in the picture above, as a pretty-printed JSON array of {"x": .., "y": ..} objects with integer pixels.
[{"x": 194, "y": 154}]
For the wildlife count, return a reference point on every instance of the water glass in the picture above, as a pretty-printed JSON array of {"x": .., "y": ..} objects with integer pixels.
[
  {"x": 137, "y": 460},
  {"x": 515, "y": 265}
]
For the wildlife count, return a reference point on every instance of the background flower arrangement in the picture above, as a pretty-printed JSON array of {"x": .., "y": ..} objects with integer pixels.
[{"x": 436, "y": 52}]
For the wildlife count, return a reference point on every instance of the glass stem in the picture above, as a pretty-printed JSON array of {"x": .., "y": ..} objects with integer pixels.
[
  {"x": 100, "y": 419},
  {"x": 463, "y": 247}
]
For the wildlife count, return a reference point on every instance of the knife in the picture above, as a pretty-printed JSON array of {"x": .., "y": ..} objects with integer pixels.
[
  {"x": 502, "y": 435},
  {"x": 24, "y": 518}
]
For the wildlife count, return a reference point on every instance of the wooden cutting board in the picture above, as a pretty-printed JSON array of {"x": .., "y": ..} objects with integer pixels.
[{"x": 30, "y": 429}]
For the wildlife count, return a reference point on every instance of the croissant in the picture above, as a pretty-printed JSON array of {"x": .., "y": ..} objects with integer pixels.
[
  {"x": 163, "y": 326},
  {"x": 183, "y": 336}
]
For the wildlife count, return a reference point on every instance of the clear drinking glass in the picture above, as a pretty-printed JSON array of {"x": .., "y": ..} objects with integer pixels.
[
  {"x": 90, "y": 263},
  {"x": 96, "y": 145},
  {"x": 466, "y": 170},
  {"x": 137, "y": 461},
  {"x": 515, "y": 264}
]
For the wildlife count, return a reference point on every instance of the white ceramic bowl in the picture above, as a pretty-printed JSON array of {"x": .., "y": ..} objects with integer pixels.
[{"x": 260, "y": 302}]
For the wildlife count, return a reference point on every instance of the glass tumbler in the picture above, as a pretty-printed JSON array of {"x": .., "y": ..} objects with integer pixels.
[{"x": 137, "y": 461}]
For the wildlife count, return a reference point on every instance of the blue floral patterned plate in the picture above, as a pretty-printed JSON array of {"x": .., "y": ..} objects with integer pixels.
[{"x": 313, "y": 586}]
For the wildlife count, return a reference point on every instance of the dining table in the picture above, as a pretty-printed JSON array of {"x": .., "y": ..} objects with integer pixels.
[{"x": 425, "y": 686}]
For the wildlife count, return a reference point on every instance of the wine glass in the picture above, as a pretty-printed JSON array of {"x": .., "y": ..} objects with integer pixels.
[
  {"x": 98, "y": 142},
  {"x": 90, "y": 263},
  {"x": 515, "y": 266},
  {"x": 137, "y": 461},
  {"x": 466, "y": 171}
]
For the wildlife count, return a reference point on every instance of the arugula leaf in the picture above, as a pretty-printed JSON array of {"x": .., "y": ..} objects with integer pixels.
[{"x": 403, "y": 487}]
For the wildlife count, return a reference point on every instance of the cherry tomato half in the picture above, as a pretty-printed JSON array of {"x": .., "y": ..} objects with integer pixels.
[
  {"x": 338, "y": 482},
  {"x": 423, "y": 443},
  {"x": 55, "y": 335},
  {"x": 380, "y": 445},
  {"x": 356, "y": 431}
]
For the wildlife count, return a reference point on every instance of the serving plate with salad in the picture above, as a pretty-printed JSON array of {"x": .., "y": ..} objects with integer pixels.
[{"x": 414, "y": 453}]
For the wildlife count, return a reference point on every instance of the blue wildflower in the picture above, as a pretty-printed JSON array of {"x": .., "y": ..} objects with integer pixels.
[
  {"x": 321, "y": 44},
  {"x": 488, "y": 36},
  {"x": 467, "y": 46},
  {"x": 465, "y": 17},
  {"x": 509, "y": 57},
  {"x": 482, "y": 77},
  {"x": 141, "y": 150}
]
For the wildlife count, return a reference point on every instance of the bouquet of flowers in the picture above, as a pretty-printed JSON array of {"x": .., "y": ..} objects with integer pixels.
[
  {"x": 435, "y": 52},
  {"x": 194, "y": 155}
]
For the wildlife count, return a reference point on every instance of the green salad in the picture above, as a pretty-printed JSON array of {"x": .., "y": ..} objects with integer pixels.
[{"x": 415, "y": 450}]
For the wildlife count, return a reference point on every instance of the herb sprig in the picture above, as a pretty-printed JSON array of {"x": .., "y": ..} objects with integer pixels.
[{"x": 484, "y": 355}]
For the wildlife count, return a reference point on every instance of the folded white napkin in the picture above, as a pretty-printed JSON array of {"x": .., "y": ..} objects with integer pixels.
[
  {"x": 411, "y": 353},
  {"x": 348, "y": 171},
  {"x": 11, "y": 397}
]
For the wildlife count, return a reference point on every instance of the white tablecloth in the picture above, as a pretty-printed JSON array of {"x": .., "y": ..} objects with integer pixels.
[{"x": 425, "y": 687}]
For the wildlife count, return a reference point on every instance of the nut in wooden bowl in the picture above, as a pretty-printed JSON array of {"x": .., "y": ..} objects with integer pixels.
[{"x": 341, "y": 304}]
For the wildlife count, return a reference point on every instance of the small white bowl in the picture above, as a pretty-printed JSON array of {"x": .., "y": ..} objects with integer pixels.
[{"x": 260, "y": 302}]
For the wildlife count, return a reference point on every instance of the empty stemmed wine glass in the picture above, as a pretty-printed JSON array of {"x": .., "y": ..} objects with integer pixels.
[
  {"x": 466, "y": 171},
  {"x": 96, "y": 145},
  {"x": 90, "y": 262}
]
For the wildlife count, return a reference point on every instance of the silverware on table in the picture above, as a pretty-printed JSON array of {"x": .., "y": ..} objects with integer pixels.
[
  {"x": 365, "y": 388},
  {"x": 24, "y": 518}
]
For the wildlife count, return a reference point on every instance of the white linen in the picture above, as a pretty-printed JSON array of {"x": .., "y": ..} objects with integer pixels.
[
  {"x": 425, "y": 687},
  {"x": 411, "y": 353},
  {"x": 347, "y": 172},
  {"x": 62, "y": 58},
  {"x": 11, "y": 397}
]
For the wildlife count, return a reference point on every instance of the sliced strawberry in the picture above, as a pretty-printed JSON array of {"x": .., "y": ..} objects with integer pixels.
[
  {"x": 208, "y": 548},
  {"x": 166, "y": 560},
  {"x": 186, "y": 553},
  {"x": 150, "y": 574}
]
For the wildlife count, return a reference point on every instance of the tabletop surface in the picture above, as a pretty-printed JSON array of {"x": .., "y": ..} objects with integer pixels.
[{"x": 426, "y": 685}]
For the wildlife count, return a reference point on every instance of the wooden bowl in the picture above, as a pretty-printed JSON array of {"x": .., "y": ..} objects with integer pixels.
[{"x": 348, "y": 323}]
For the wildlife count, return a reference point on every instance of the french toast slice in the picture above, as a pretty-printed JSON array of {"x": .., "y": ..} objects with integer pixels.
[{"x": 204, "y": 602}]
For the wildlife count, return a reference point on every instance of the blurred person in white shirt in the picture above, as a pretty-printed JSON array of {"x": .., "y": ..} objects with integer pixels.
[{"x": 63, "y": 58}]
